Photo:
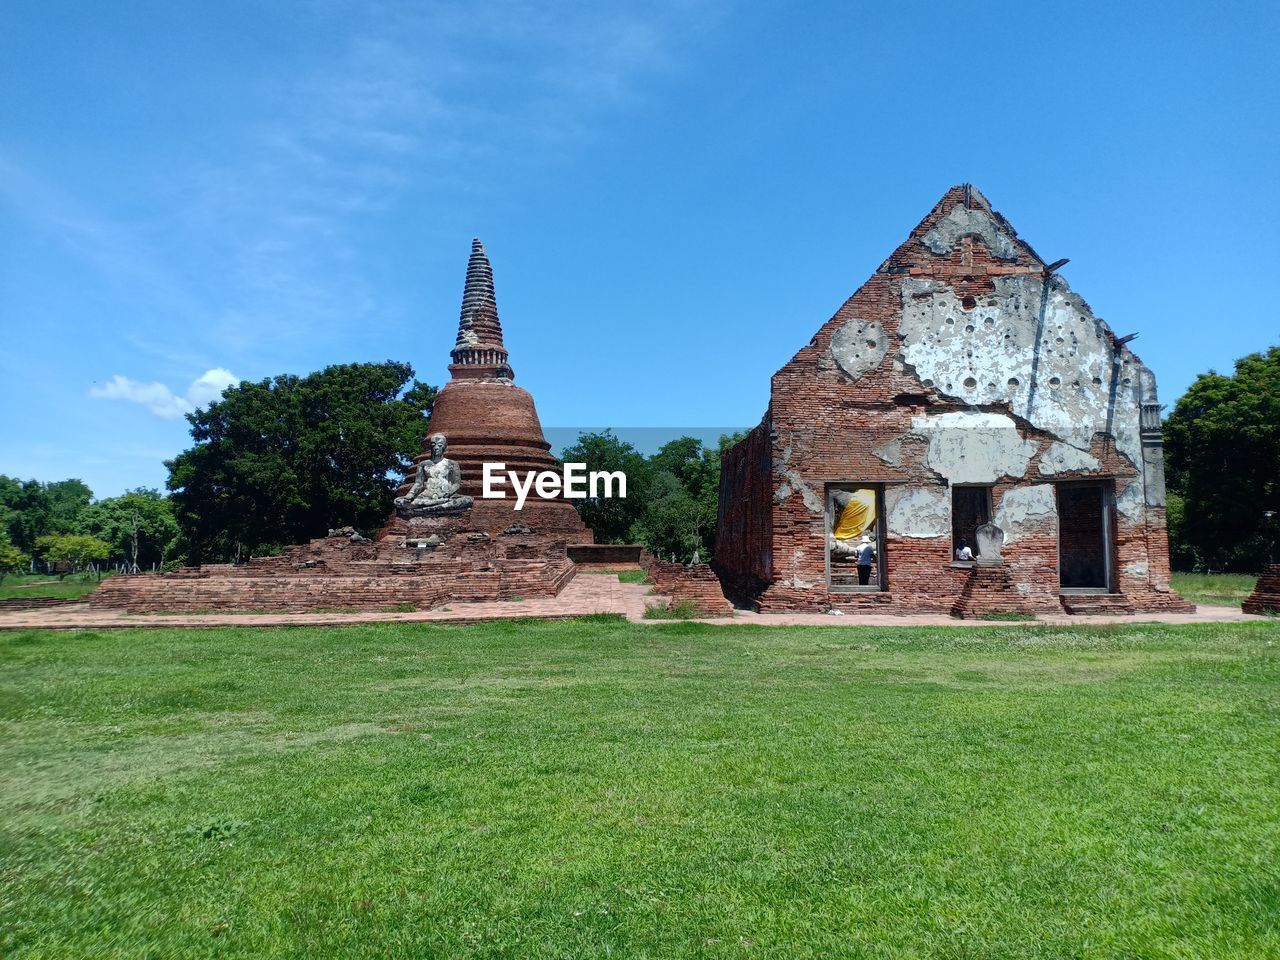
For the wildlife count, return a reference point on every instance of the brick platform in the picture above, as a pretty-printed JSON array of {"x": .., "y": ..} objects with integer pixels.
[
  {"x": 334, "y": 573},
  {"x": 990, "y": 589}
]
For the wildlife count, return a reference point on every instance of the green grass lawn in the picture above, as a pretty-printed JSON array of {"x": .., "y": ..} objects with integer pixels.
[
  {"x": 1215, "y": 589},
  {"x": 596, "y": 789},
  {"x": 73, "y": 585}
]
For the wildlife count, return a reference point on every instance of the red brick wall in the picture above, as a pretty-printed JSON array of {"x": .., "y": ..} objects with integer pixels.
[
  {"x": 694, "y": 584},
  {"x": 744, "y": 533}
]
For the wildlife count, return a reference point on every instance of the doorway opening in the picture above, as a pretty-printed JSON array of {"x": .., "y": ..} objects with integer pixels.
[
  {"x": 855, "y": 538},
  {"x": 1084, "y": 536}
]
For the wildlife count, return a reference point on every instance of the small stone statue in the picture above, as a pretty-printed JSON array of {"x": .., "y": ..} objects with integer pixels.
[
  {"x": 435, "y": 486},
  {"x": 990, "y": 542}
]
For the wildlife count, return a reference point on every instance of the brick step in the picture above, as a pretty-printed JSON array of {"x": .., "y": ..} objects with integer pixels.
[
  {"x": 37, "y": 603},
  {"x": 859, "y": 600},
  {"x": 1097, "y": 604}
]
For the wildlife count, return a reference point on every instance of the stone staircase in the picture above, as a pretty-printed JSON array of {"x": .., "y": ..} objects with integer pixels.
[{"x": 990, "y": 589}]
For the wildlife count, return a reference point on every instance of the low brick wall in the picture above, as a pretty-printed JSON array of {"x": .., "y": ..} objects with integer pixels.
[
  {"x": 991, "y": 589},
  {"x": 693, "y": 584},
  {"x": 283, "y": 593},
  {"x": 37, "y": 603},
  {"x": 611, "y": 554}
]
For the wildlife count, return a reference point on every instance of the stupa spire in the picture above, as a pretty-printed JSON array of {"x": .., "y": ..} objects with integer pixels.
[{"x": 479, "y": 352}]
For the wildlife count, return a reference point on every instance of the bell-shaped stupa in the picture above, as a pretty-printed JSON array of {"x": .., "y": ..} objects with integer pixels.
[{"x": 486, "y": 418}]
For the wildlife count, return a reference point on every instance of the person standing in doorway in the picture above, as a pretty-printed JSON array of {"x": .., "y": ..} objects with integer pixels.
[{"x": 866, "y": 556}]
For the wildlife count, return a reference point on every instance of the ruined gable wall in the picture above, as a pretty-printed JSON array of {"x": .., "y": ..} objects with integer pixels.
[{"x": 961, "y": 361}]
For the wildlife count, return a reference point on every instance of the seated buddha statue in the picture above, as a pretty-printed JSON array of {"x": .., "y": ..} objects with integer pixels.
[{"x": 435, "y": 485}]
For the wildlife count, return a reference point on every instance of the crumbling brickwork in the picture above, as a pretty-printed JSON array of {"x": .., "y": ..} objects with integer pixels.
[
  {"x": 1266, "y": 593},
  {"x": 338, "y": 573},
  {"x": 965, "y": 360},
  {"x": 744, "y": 536},
  {"x": 694, "y": 584}
]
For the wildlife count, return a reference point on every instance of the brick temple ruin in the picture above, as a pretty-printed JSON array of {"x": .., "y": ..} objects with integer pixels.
[
  {"x": 964, "y": 395},
  {"x": 443, "y": 542},
  {"x": 964, "y": 436}
]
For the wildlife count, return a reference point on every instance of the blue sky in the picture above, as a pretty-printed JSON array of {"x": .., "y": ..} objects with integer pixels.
[{"x": 675, "y": 195}]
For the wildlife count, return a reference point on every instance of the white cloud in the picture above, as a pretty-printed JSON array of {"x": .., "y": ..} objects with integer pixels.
[
  {"x": 162, "y": 401},
  {"x": 208, "y": 387}
]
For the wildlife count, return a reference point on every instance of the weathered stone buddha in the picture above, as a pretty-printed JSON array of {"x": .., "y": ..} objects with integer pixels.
[{"x": 435, "y": 485}]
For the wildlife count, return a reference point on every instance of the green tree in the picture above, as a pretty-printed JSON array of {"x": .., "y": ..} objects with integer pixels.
[
  {"x": 24, "y": 511},
  {"x": 674, "y": 522},
  {"x": 682, "y": 499},
  {"x": 611, "y": 519},
  {"x": 12, "y": 560},
  {"x": 139, "y": 525},
  {"x": 76, "y": 550},
  {"x": 1222, "y": 455},
  {"x": 282, "y": 460},
  {"x": 30, "y": 509},
  {"x": 67, "y": 498}
]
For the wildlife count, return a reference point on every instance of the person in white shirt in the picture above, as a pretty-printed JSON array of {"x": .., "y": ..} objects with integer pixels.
[
  {"x": 963, "y": 553},
  {"x": 866, "y": 555}
]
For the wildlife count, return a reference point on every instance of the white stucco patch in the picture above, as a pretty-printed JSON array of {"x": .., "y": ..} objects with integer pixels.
[
  {"x": 792, "y": 481},
  {"x": 968, "y": 222},
  {"x": 1062, "y": 375},
  {"x": 859, "y": 346},
  {"x": 972, "y": 447},
  {"x": 1064, "y": 458},
  {"x": 1130, "y": 501},
  {"x": 890, "y": 453},
  {"x": 918, "y": 512},
  {"x": 1138, "y": 569},
  {"x": 1024, "y": 507}
]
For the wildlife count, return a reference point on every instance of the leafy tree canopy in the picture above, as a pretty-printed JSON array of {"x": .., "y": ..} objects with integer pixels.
[
  {"x": 30, "y": 509},
  {"x": 139, "y": 526},
  {"x": 672, "y": 496},
  {"x": 1222, "y": 456},
  {"x": 12, "y": 560},
  {"x": 284, "y": 459},
  {"x": 76, "y": 550},
  {"x": 611, "y": 519}
]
